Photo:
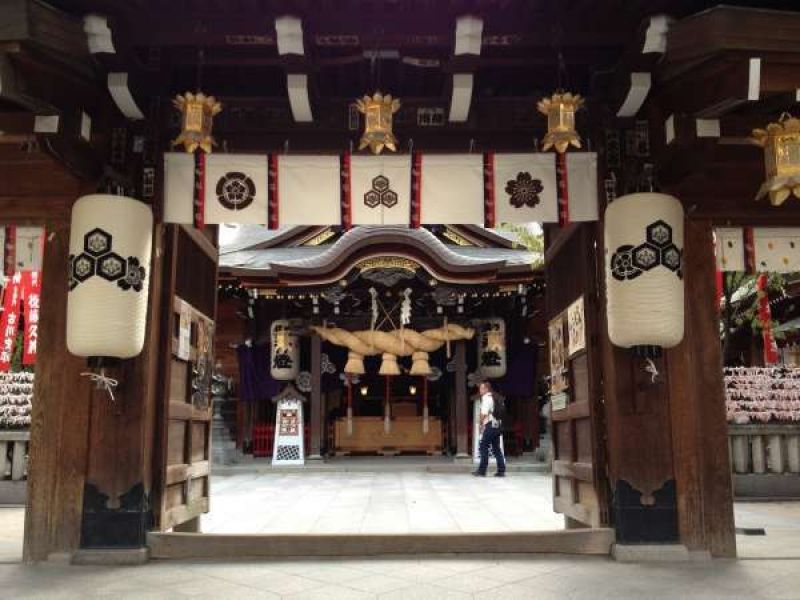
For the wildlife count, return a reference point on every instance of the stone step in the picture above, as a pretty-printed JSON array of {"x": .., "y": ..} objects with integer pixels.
[{"x": 177, "y": 546}]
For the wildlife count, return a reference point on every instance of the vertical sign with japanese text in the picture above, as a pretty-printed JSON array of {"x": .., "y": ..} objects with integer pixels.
[
  {"x": 32, "y": 282},
  {"x": 9, "y": 322}
]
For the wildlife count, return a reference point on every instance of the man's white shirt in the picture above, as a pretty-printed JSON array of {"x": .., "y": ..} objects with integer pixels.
[{"x": 487, "y": 409}]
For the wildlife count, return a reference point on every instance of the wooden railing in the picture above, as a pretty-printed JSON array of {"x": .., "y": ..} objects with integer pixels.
[{"x": 765, "y": 459}]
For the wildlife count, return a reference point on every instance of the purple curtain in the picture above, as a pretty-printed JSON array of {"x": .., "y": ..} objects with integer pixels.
[
  {"x": 255, "y": 382},
  {"x": 520, "y": 379}
]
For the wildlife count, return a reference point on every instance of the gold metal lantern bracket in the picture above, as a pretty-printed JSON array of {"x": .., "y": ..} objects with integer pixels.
[
  {"x": 198, "y": 112},
  {"x": 781, "y": 144},
  {"x": 378, "y": 111},
  {"x": 560, "y": 110}
]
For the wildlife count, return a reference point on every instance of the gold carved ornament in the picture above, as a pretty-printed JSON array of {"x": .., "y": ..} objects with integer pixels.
[
  {"x": 198, "y": 112},
  {"x": 781, "y": 144},
  {"x": 378, "y": 111},
  {"x": 387, "y": 262},
  {"x": 560, "y": 110}
]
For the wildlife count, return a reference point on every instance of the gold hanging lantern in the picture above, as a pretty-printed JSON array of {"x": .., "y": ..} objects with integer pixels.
[
  {"x": 781, "y": 143},
  {"x": 560, "y": 110},
  {"x": 198, "y": 111},
  {"x": 378, "y": 111}
]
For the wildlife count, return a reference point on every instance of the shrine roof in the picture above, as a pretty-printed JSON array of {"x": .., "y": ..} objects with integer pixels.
[{"x": 258, "y": 251}]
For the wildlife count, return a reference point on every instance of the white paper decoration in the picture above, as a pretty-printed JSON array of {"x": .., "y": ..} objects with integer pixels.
[
  {"x": 492, "y": 348},
  {"x": 285, "y": 351},
  {"x": 644, "y": 277},
  {"x": 109, "y": 276}
]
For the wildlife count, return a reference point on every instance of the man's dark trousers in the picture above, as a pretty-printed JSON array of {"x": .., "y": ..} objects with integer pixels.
[{"x": 491, "y": 437}]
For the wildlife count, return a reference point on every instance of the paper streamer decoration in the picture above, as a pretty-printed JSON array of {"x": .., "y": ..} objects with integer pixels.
[
  {"x": 109, "y": 276},
  {"x": 644, "y": 279}
]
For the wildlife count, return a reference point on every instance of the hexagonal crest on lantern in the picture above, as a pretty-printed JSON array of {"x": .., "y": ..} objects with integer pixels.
[
  {"x": 111, "y": 267},
  {"x": 372, "y": 198},
  {"x": 389, "y": 198},
  {"x": 645, "y": 256},
  {"x": 659, "y": 233},
  {"x": 83, "y": 267},
  {"x": 671, "y": 257},
  {"x": 97, "y": 242},
  {"x": 380, "y": 183}
]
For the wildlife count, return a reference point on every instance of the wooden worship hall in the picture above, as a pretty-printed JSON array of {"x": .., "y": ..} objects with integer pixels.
[{"x": 348, "y": 195}]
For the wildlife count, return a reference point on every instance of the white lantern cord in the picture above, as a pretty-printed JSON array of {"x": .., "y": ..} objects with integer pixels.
[{"x": 102, "y": 382}]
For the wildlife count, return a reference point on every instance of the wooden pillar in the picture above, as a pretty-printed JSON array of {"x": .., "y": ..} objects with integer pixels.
[
  {"x": 697, "y": 408},
  {"x": 60, "y": 419},
  {"x": 118, "y": 496},
  {"x": 461, "y": 408},
  {"x": 316, "y": 397}
]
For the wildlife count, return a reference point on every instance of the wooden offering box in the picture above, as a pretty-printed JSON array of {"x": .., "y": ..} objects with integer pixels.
[{"x": 405, "y": 435}]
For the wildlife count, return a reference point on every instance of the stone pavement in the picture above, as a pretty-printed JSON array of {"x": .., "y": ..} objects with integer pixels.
[
  {"x": 380, "y": 502},
  {"x": 408, "y": 501},
  {"x": 781, "y": 523},
  {"x": 419, "y": 577}
]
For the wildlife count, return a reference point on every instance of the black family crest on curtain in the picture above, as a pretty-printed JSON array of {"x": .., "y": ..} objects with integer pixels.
[
  {"x": 628, "y": 262},
  {"x": 380, "y": 193},
  {"x": 524, "y": 190},
  {"x": 99, "y": 259},
  {"x": 235, "y": 190}
]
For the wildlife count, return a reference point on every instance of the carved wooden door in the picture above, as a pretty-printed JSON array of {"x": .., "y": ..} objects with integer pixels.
[
  {"x": 579, "y": 470},
  {"x": 184, "y": 436}
]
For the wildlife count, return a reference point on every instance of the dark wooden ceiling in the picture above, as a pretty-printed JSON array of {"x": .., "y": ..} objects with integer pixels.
[{"x": 522, "y": 39}]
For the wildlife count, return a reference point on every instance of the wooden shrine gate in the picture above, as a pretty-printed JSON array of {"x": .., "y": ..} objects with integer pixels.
[
  {"x": 183, "y": 443},
  {"x": 580, "y": 488}
]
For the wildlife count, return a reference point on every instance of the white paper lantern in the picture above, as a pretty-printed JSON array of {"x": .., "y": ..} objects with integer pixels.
[
  {"x": 492, "y": 348},
  {"x": 285, "y": 355},
  {"x": 644, "y": 271},
  {"x": 109, "y": 276}
]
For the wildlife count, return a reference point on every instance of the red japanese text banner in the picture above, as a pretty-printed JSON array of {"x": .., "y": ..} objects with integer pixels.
[
  {"x": 32, "y": 287},
  {"x": 9, "y": 322}
]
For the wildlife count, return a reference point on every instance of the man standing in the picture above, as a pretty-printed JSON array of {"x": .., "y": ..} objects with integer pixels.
[{"x": 491, "y": 421}]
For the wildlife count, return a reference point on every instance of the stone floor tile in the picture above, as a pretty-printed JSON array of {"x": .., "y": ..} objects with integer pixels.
[
  {"x": 471, "y": 582},
  {"x": 516, "y": 592},
  {"x": 332, "y": 592},
  {"x": 426, "y": 591},
  {"x": 378, "y": 583}
]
